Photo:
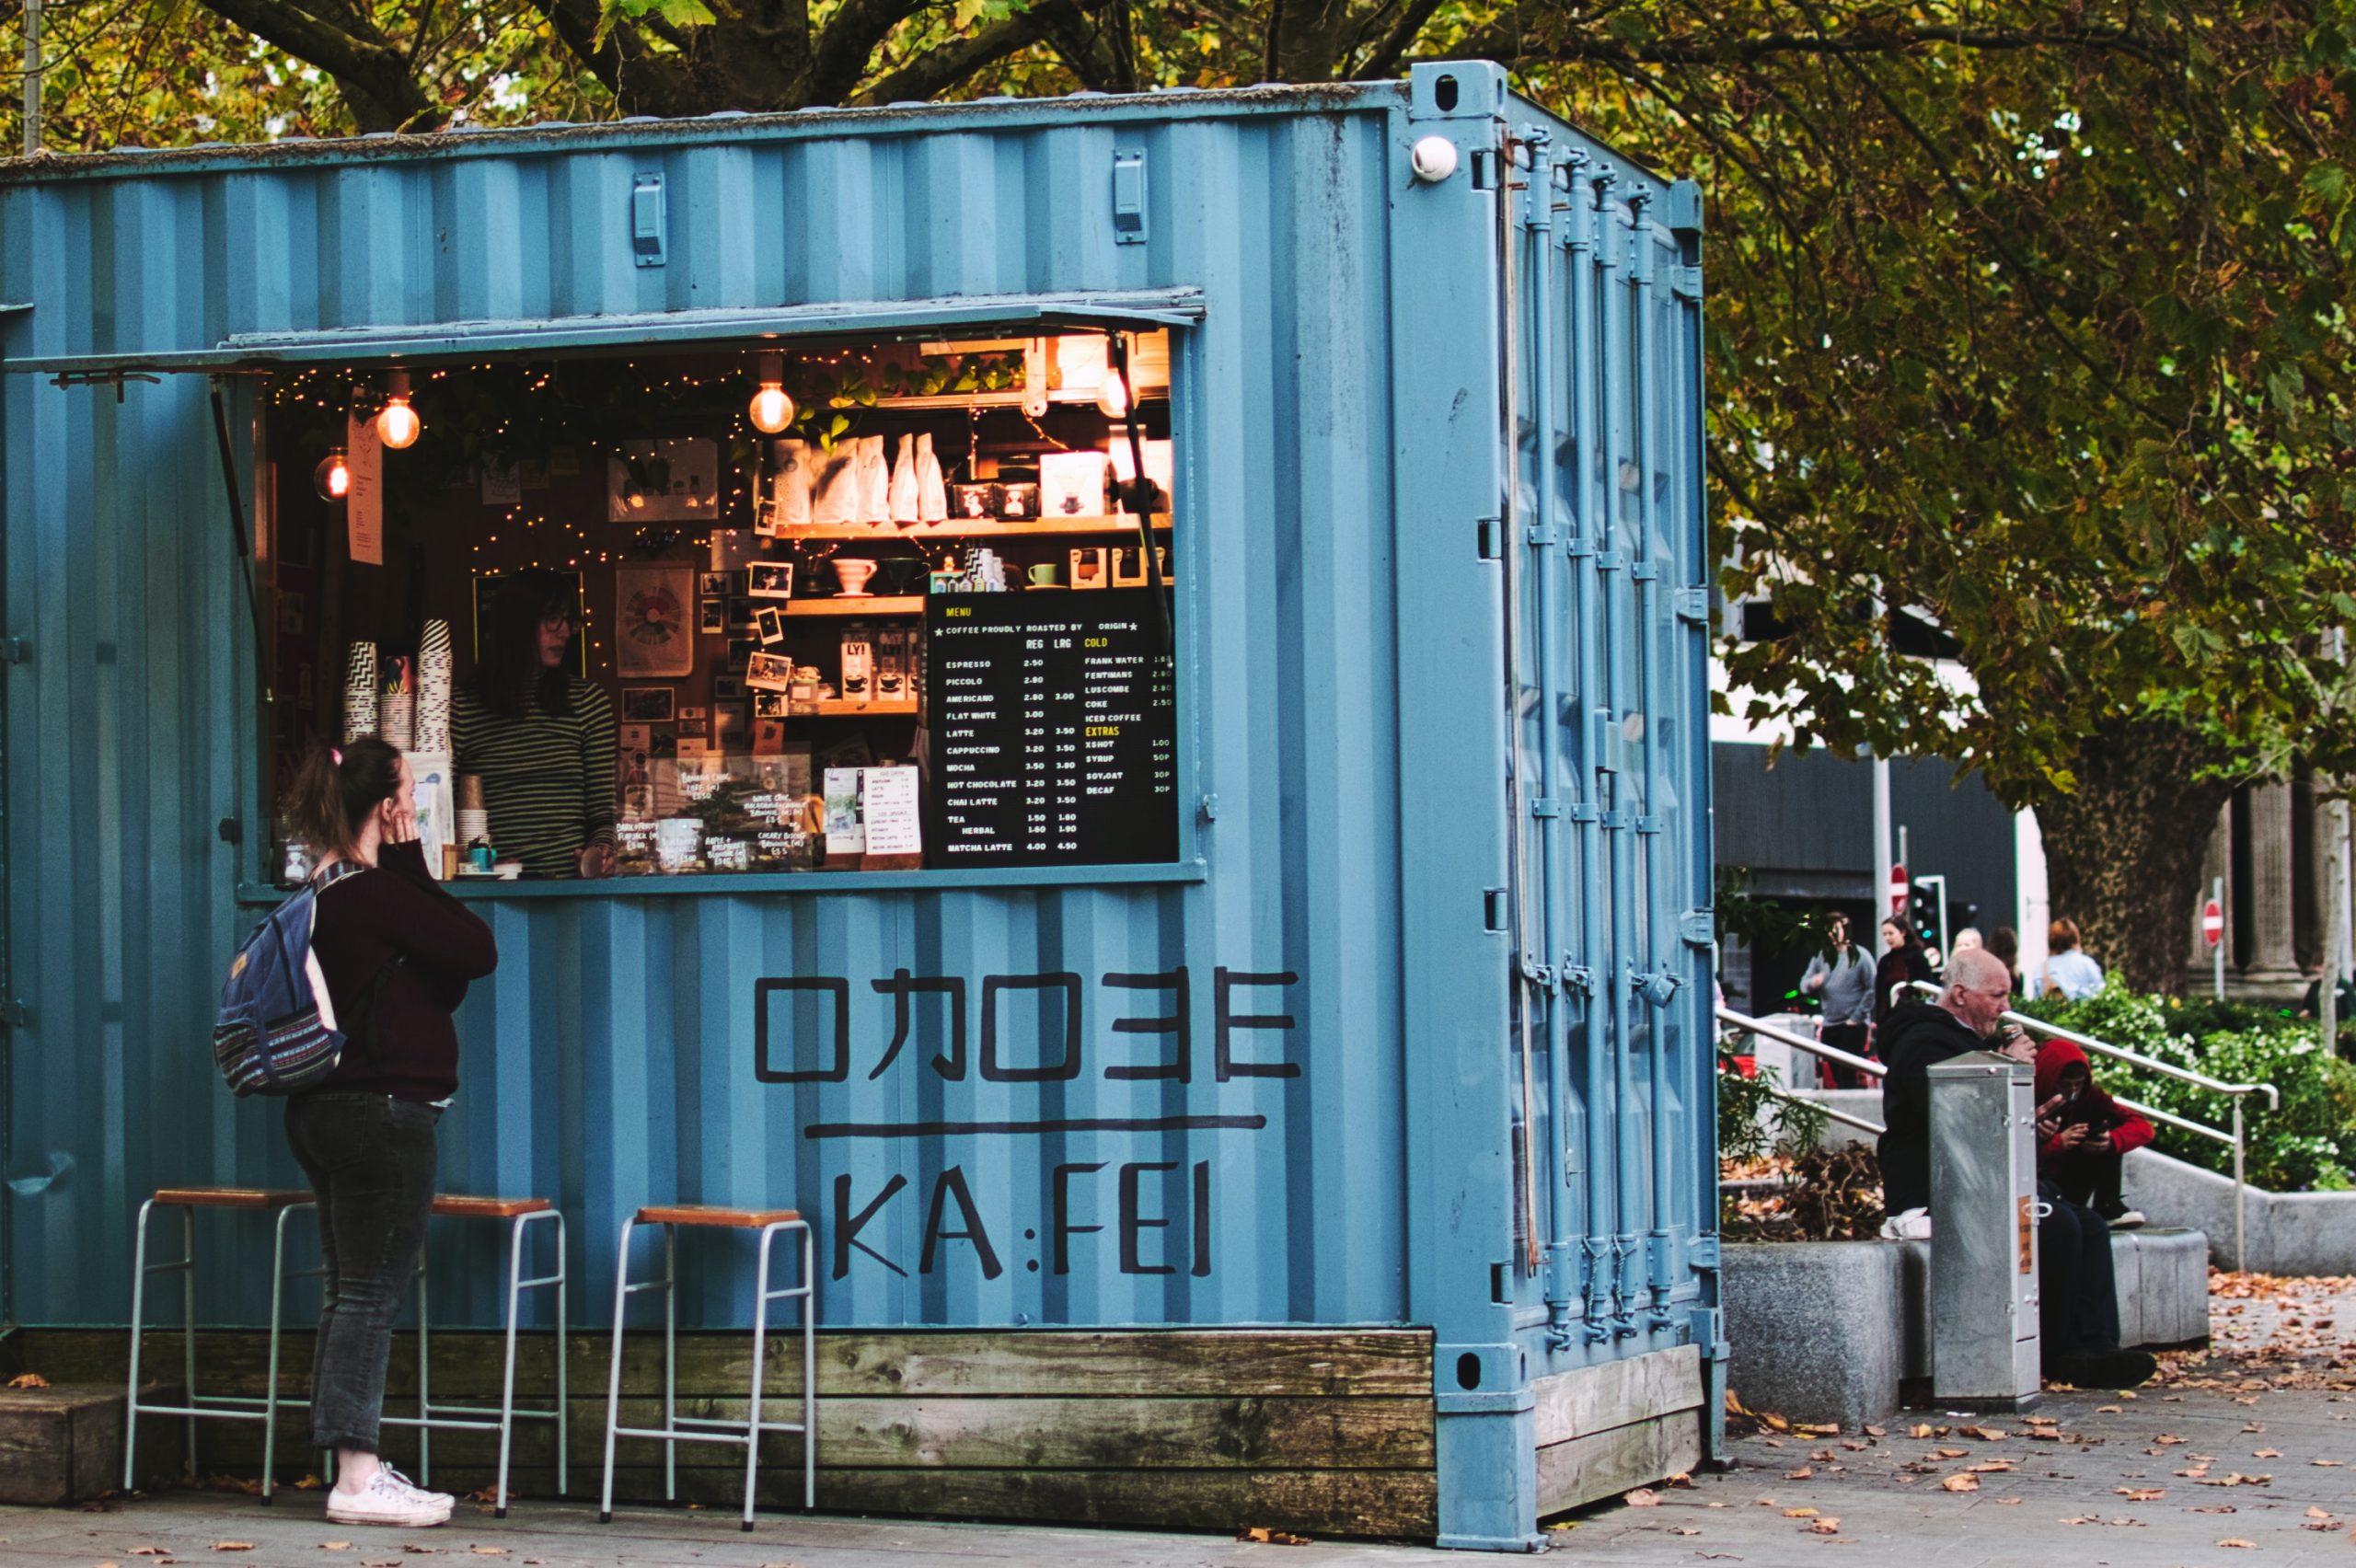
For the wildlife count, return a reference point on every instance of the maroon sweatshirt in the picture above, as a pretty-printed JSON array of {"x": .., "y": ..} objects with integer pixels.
[{"x": 407, "y": 1047}]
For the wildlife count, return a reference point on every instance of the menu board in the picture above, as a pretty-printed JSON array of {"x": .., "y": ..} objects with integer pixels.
[{"x": 1054, "y": 730}]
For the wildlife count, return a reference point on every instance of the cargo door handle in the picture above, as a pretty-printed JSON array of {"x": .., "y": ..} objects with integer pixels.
[
  {"x": 646, "y": 220},
  {"x": 1128, "y": 196}
]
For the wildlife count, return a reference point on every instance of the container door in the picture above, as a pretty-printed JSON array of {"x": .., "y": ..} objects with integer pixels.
[{"x": 1608, "y": 685}]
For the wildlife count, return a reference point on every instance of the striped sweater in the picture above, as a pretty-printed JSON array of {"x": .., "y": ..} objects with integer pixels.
[{"x": 546, "y": 781}]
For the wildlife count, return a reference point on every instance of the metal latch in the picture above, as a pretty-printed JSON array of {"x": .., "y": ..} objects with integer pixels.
[
  {"x": 1693, "y": 606},
  {"x": 13, "y": 1013},
  {"x": 1685, "y": 282},
  {"x": 1128, "y": 196},
  {"x": 15, "y": 650},
  {"x": 647, "y": 220},
  {"x": 1697, "y": 928}
]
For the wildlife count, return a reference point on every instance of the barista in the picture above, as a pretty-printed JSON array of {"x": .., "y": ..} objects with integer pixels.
[{"x": 541, "y": 737}]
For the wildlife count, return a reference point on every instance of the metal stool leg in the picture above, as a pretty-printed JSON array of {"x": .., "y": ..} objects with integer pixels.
[
  {"x": 188, "y": 1329},
  {"x": 138, "y": 1321},
  {"x": 613, "y": 1372},
  {"x": 809, "y": 1374},
  {"x": 424, "y": 1380},
  {"x": 760, "y": 1352},
  {"x": 270, "y": 1394},
  {"x": 671, "y": 1362},
  {"x": 563, "y": 1410},
  {"x": 507, "y": 1379}
]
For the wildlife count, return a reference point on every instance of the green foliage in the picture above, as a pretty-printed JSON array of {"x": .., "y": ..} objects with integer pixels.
[
  {"x": 2308, "y": 1145},
  {"x": 1754, "y": 1124}
]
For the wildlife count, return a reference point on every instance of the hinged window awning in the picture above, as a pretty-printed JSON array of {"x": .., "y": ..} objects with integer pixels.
[{"x": 1137, "y": 310}]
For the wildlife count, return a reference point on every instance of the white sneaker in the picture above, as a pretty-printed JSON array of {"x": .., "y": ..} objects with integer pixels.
[
  {"x": 390, "y": 1499},
  {"x": 2130, "y": 1220},
  {"x": 1914, "y": 1225}
]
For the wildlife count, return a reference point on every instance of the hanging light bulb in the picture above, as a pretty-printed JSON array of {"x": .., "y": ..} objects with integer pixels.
[
  {"x": 397, "y": 426},
  {"x": 1113, "y": 392},
  {"x": 332, "y": 478},
  {"x": 773, "y": 411}
]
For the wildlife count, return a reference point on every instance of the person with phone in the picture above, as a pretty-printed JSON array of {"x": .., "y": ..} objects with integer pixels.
[{"x": 2083, "y": 1135}]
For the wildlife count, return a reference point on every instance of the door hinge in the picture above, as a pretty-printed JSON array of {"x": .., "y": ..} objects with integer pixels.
[
  {"x": 1702, "y": 1252},
  {"x": 1693, "y": 606},
  {"x": 15, "y": 650},
  {"x": 1685, "y": 281}
]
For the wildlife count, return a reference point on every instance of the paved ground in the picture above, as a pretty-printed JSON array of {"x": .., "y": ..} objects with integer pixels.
[{"x": 2243, "y": 1459}]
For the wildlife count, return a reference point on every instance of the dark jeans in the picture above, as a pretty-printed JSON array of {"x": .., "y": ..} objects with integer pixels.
[
  {"x": 1849, "y": 1037},
  {"x": 2093, "y": 1180},
  {"x": 2078, "y": 1292},
  {"x": 370, "y": 1159}
]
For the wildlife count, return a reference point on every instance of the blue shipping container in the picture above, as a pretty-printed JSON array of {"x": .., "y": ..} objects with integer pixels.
[{"x": 1429, "y": 984}]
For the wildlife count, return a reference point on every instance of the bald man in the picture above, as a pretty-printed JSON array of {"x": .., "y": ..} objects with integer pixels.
[{"x": 1916, "y": 1036}]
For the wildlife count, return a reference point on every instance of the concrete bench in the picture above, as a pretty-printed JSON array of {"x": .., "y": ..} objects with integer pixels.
[{"x": 1786, "y": 1301}]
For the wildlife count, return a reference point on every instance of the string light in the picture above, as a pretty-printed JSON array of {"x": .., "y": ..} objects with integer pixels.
[
  {"x": 773, "y": 411},
  {"x": 332, "y": 478},
  {"x": 397, "y": 426}
]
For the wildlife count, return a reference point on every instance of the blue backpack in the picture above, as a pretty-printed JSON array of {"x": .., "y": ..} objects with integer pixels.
[{"x": 276, "y": 1031}]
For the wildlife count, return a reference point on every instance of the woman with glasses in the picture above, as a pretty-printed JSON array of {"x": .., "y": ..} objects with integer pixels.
[{"x": 541, "y": 737}]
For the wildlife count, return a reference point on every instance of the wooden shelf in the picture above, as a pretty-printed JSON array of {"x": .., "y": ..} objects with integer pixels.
[
  {"x": 865, "y": 605},
  {"x": 976, "y": 528},
  {"x": 1010, "y": 397},
  {"x": 850, "y": 707}
]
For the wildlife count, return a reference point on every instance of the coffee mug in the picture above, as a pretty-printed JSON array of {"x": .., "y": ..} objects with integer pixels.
[{"x": 1044, "y": 575}]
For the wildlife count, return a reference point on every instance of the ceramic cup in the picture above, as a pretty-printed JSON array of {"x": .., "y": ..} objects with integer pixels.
[
  {"x": 852, "y": 573},
  {"x": 1045, "y": 575}
]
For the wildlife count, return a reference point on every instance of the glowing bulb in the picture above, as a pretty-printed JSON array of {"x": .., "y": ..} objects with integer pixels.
[
  {"x": 773, "y": 411},
  {"x": 332, "y": 478},
  {"x": 398, "y": 425},
  {"x": 1113, "y": 394}
]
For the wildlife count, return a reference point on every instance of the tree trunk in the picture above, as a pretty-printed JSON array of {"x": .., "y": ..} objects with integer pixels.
[{"x": 2123, "y": 852}]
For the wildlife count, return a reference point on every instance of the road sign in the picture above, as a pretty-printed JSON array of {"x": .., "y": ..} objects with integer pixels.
[
  {"x": 2213, "y": 923},
  {"x": 1899, "y": 892}
]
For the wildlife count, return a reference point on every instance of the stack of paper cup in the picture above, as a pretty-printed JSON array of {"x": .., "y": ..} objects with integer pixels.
[
  {"x": 474, "y": 821},
  {"x": 360, "y": 716},
  {"x": 397, "y": 719},
  {"x": 434, "y": 677}
]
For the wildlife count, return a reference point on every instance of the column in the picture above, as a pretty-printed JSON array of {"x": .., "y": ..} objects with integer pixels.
[{"x": 2273, "y": 966}]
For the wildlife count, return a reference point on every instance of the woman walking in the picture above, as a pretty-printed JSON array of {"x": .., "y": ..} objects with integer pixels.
[
  {"x": 397, "y": 952},
  {"x": 1902, "y": 961}
]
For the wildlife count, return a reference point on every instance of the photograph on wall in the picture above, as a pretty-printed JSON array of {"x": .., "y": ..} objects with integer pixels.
[
  {"x": 652, "y": 631},
  {"x": 768, "y": 623},
  {"x": 648, "y": 705},
  {"x": 768, "y": 705},
  {"x": 714, "y": 617},
  {"x": 740, "y": 650},
  {"x": 770, "y": 580},
  {"x": 766, "y": 672},
  {"x": 740, "y": 613},
  {"x": 674, "y": 481},
  {"x": 712, "y": 584}
]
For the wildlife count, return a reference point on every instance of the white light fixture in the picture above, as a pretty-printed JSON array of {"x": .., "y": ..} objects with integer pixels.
[
  {"x": 1433, "y": 158},
  {"x": 397, "y": 425},
  {"x": 332, "y": 478},
  {"x": 1113, "y": 392},
  {"x": 773, "y": 411}
]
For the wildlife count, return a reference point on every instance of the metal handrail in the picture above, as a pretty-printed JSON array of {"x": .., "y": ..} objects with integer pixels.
[
  {"x": 1814, "y": 1047},
  {"x": 2238, "y": 1093}
]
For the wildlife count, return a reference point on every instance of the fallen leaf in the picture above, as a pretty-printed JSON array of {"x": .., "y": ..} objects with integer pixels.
[
  {"x": 1952, "y": 1453},
  {"x": 2109, "y": 1410},
  {"x": 1800, "y": 1513},
  {"x": 1985, "y": 1433},
  {"x": 2218, "y": 1508},
  {"x": 2326, "y": 1526},
  {"x": 1873, "y": 1431},
  {"x": 151, "y": 1551},
  {"x": 2142, "y": 1494},
  {"x": 1824, "y": 1526},
  {"x": 2239, "y": 1542},
  {"x": 2167, "y": 1439},
  {"x": 2006, "y": 1502},
  {"x": 1920, "y": 1429},
  {"x": 1775, "y": 1423},
  {"x": 2327, "y": 1464},
  {"x": 1820, "y": 1429},
  {"x": 2316, "y": 1513},
  {"x": 1678, "y": 1479},
  {"x": 2042, "y": 1420},
  {"x": 29, "y": 1380},
  {"x": 1641, "y": 1497},
  {"x": 1803, "y": 1473},
  {"x": 1961, "y": 1483},
  {"x": 233, "y": 1546},
  {"x": 2254, "y": 1426},
  {"x": 2082, "y": 1519},
  {"x": 1266, "y": 1537},
  {"x": 1990, "y": 1466},
  {"x": 2266, "y": 1453}
]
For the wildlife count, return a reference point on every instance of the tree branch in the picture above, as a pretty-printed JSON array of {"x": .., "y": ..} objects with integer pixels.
[
  {"x": 641, "y": 83},
  {"x": 373, "y": 72},
  {"x": 1511, "y": 41},
  {"x": 847, "y": 44},
  {"x": 949, "y": 64}
]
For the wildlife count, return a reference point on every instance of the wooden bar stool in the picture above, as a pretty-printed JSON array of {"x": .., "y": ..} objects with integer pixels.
[
  {"x": 677, "y": 1428},
  {"x": 281, "y": 1202},
  {"x": 520, "y": 1214}
]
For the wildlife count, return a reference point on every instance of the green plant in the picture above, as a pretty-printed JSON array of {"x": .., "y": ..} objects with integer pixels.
[
  {"x": 2308, "y": 1145},
  {"x": 1754, "y": 1122}
]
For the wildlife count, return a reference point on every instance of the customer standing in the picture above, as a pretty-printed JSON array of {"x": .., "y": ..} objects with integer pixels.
[
  {"x": 541, "y": 737},
  {"x": 1903, "y": 962},
  {"x": 397, "y": 952},
  {"x": 2069, "y": 974},
  {"x": 2005, "y": 943},
  {"x": 1845, "y": 985}
]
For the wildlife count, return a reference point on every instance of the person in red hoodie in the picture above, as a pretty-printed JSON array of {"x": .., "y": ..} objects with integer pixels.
[{"x": 2083, "y": 1135}]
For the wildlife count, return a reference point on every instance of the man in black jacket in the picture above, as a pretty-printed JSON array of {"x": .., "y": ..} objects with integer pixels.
[
  {"x": 2078, "y": 1291},
  {"x": 1915, "y": 1037}
]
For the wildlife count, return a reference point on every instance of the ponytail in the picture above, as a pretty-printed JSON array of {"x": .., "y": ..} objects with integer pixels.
[{"x": 334, "y": 791}]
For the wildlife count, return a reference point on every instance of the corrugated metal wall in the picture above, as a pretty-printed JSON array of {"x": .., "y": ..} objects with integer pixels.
[{"x": 611, "y": 1060}]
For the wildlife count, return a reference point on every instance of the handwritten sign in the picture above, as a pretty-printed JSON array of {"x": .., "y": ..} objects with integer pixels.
[
  {"x": 888, "y": 806},
  {"x": 364, "y": 504}
]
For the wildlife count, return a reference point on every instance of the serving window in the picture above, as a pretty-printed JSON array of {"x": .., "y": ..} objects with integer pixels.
[{"x": 884, "y": 605}]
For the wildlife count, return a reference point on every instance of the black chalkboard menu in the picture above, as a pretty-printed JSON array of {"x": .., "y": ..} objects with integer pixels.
[{"x": 1053, "y": 730}]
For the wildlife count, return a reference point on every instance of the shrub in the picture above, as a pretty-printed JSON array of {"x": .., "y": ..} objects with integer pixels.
[{"x": 2308, "y": 1145}]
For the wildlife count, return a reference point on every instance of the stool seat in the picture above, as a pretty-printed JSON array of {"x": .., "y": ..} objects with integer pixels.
[
  {"x": 704, "y": 1214},
  {"x": 233, "y": 1197},
  {"x": 468, "y": 1206}
]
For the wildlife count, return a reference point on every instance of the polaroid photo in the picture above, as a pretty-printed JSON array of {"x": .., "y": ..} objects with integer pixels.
[
  {"x": 770, "y": 622},
  {"x": 648, "y": 705},
  {"x": 712, "y": 584},
  {"x": 766, "y": 672},
  {"x": 768, "y": 705},
  {"x": 713, "y": 619},
  {"x": 770, "y": 580}
]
